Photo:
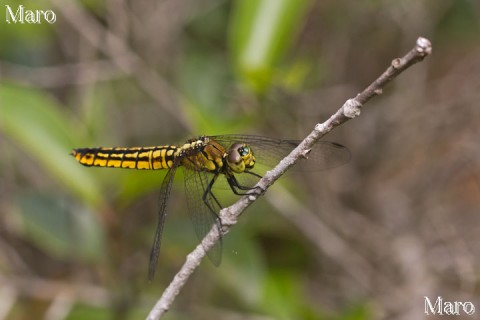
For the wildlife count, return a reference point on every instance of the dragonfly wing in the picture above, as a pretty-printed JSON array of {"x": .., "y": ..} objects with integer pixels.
[
  {"x": 203, "y": 208},
  {"x": 269, "y": 151},
  {"x": 165, "y": 190},
  {"x": 325, "y": 155}
]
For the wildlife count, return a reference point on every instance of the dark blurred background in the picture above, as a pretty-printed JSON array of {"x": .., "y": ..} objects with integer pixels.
[{"x": 367, "y": 240}]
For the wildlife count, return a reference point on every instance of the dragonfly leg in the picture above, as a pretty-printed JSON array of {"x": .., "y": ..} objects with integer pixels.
[
  {"x": 208, "y": 191},
  {"x": 236, "y": 186},
  {"x": 254, "y": 174},
  {"x": 255, "y": 189}
]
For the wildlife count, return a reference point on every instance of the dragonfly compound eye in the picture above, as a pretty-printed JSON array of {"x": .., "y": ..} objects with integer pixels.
[
  {"x": 247, "y": 156},
  {"x": 244, "y": 151},
  {"x": 240, "y": 157}
]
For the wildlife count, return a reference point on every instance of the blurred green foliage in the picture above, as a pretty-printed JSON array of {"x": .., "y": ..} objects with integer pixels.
[
  {"x": 48, "y": 136},
  {"x": 261, "y": 34}
]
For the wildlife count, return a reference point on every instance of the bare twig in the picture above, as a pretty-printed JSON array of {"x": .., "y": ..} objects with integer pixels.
[
  {"x": 121, "y": 55},
  {"x": 230, "y": 215},
  {"x": 62, "y": 75},
  {"x": 50, "y": 290}
]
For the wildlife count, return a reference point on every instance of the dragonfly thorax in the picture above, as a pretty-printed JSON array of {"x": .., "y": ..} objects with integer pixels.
[
  {"x": 239, "y": 157},
  {"x": 202, "y": 154}
]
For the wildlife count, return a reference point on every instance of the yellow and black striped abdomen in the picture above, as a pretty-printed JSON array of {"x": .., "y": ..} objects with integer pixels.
[{"x": 148, "y": 158}]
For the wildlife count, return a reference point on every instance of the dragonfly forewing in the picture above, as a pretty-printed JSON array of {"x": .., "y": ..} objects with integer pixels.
[{"x": 269, "y": 151}]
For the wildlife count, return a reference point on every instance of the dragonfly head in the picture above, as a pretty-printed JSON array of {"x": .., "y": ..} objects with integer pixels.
[{"x": 240, "y": 157}]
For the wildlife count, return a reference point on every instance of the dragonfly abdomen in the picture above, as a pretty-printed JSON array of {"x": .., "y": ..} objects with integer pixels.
[{"x": 147, "y": 158}]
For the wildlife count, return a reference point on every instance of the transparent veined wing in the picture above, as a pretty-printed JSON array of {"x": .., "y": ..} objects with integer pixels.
[
  {"x": 269, "y": 151},
  {"x": 203, "y": 208}
]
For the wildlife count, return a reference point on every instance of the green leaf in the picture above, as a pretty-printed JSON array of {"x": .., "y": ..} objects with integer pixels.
[
  {"x": 35, "y": 122},
  {"x": 83, "y": 311},
  {"x": 53, "y": 226},
  {"x": 243, "y": 267},
  {"x": 282, "y": 295},
  {"x": 261, "y": 33},
  {"x": 357, "y": 311}
]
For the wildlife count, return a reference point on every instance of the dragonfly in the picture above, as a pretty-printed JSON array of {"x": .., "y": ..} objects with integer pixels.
[{"x": 237, "y": 160}]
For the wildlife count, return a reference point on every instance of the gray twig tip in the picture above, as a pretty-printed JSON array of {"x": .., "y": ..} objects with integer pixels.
[{"x": 424, "y": 46}]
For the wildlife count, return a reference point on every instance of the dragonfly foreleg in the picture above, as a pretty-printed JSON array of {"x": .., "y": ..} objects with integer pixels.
[
  {"x": 256, "y": 189},
  {"x": 236, "y": 186},
  {"x": 254, "y": 174}
]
